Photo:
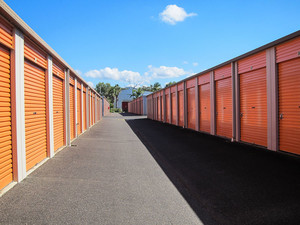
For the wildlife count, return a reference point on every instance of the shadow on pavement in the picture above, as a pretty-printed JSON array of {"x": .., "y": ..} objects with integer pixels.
[
  {"x": 223, "y": 182},
  {"x": 128, "y": 114}
]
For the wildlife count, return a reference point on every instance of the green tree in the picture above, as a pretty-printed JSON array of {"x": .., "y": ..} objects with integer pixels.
[
  {"x": 137, "y": 93},
  {"x": 115, "y": 91},
  {"x": 103, "y": 89},
  {"x": 170, "y": 83},
  {"x": 110, "y": 92},
  {"x": 156, "y": 87}
]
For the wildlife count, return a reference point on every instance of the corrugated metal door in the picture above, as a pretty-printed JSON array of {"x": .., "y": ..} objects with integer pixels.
[
  {"x": 174, "y": 109},
  {"x": 6, "y": 31},
  {"x": 90, "y": 109},
  {"x": 158, "y": 108},
  {"x": 289, "y": 105},
  {"x": 191, "y": 114},
  {"x": 72, "y": 111},
  {"x": 167, "y": 108},
  {"x": 224, "y": 107},
  {"x": 58, "y": 112},
  {"x": 181, "y": 108},
  {"x": 253, "y": 107},
  {"x": 162, "y": 108},
  {"x": 79, "y": 124},
  {"x": 35, "y": 114},
  {"x": 204, "y": 107},
  {"x": 6, "y": 172},
  {"x": 93, "y": 108},
  {"x": 84, "y": 110}
]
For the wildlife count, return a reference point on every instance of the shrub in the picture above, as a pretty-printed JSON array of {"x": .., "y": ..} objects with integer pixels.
[{"x": 115, "y": 110}]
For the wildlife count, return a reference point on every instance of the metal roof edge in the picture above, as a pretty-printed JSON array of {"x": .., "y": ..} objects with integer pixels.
[
  {"x": 15, "y": 20},
  {"x": 256, "y": 50}
]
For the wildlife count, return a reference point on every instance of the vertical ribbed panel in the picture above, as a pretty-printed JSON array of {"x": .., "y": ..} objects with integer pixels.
[
  {"x": 253, "y": 107},
  {"x": 181, "y": 108},
  {"x": 191, "y": 109},
  {"x": 174, "y": 110},
  {"x": 79, "y": 124},
  {"x": 35, "y": 114},
  {"x": 204, "y": 107},
  {"x": 58, "y": 112},
  {"x": 224, "y": 107},
  {"x": 6, "y": 172},
  {"x": 72, "y": 111},
  {"x": 289, "y": 105}
]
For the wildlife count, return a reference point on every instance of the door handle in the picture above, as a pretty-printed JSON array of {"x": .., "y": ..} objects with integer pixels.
[
  {"x": 241, "y": 115},
  {"x": 281, "y": 116}
]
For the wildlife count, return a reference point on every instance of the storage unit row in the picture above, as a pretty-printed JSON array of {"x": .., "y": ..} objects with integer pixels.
[
  {"x": 138, "y": 106},
  {"x": 254, "y": 98},
  {"x": 44, "y": 104}
]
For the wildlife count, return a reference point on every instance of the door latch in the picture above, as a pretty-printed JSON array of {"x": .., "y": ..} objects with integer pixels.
[
  {"x": 241, "y": 115},
  {"x": 281, "y": 116}
]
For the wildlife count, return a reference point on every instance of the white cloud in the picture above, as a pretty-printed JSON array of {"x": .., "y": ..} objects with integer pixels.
[
  {"x": 165, "y": 72},
  {"x": 91, "y": 84},
  {"x": 173, "y": 14},
  {"x": 135, "y": 79},
  {"x": 127, "y": 76},
  {"x": 195, "y": 64}
]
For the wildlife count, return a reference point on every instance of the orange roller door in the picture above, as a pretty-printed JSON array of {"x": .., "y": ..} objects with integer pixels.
[
  {"x": 289, "y": 105},
  {"x": 253, "y": 107},
  {"x": 168, "y": 108},
  {"x": 6, "y": 172},
  {"x": 181, "y": 108},
  {"x": 174, "y": 109},
  {"x": 58, "y": 112},
  {"x": 79, "y": 124},
  {"x": 162, "y": 108},
  {"x": 204, "y": 107},
  {"x": 84, "y": 110},
  {"x": 93, "y": 109},
  {"x": 224, "y": 107},
  {"x": 158, "y": 107},
  {"x": 72, "y": 112},
  {"x": 35, "y": 114},
  {"x": 191, "y": 114},
  {"x": 155, "y": 108}
]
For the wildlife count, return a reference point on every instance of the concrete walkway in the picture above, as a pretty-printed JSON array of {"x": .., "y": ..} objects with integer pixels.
[{"x": 107, "y": 177}]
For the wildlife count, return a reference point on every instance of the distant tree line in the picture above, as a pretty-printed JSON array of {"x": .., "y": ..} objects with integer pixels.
[{"x": 112, "y": 92}]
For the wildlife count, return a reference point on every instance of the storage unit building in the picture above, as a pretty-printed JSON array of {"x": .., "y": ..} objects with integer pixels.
[
  {"x": 138, "y": 106},
  {"x": 41, "y": 98},
  {"x": 253, "y": 98}
]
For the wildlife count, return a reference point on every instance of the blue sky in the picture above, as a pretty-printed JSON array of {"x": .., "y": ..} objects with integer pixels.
[{"x": 141, "y": 42}]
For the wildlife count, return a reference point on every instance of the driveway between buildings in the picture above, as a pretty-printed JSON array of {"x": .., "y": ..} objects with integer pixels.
[
  {"x": 107, "y": 176},
  {"x": 223, "y": 182}
]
